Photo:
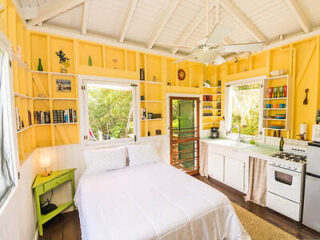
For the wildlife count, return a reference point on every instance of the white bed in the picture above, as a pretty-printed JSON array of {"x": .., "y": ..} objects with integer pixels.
[{"x": 153, "y": 201}]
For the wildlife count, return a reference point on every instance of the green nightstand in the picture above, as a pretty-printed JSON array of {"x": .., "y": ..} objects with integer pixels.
[{"x": 42, "y": 185}]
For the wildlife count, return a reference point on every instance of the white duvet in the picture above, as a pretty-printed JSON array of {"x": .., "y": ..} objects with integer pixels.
[{"x": 153, "y": 201}]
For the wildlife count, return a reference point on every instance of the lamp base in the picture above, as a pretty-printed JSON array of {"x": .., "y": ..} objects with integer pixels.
[{"x": 45, "y": 174}]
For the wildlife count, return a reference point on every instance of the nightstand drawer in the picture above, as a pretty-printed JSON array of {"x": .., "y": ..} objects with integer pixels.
[{"x": 56, "y": 182}]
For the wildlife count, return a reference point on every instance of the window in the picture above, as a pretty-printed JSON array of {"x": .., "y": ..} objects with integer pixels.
[
  {"x": 7, "y": 159},
  {"x": 110, "y": 111},
  {"x": 244, "y": 107}
]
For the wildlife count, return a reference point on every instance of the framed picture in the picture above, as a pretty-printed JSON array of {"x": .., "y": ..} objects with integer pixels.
[{"x": 63, "y": 85}]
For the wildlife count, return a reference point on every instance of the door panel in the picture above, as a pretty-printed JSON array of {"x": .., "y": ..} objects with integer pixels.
[
  {"x": 184, "y": 133},
  {"x": 234, "y": 173},
  {"x": 216, "y": 166}
]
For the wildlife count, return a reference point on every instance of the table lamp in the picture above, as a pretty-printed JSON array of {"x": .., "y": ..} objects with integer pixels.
[{"x": 45, "y": 162}]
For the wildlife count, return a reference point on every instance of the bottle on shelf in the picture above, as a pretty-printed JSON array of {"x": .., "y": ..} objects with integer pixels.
[
  {"x": 281, "y": 144},
  {"x": 40, "y": 67}
]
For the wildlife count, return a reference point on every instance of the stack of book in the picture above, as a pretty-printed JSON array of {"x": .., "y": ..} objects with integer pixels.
[
  {"x": 41, "y": 117},
  {"x": 64, "y": 116}
]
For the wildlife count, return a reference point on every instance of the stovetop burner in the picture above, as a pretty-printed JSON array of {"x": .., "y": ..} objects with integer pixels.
[{"x": 290, "y": 157}]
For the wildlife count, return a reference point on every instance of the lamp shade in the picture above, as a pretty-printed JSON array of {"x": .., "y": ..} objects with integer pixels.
[{"x": 45, "y": 158}]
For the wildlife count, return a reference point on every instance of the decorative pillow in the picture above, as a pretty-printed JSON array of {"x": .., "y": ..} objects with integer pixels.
[
  {"x": 141, "y": 154},
  {"x": 105, "y": 159}
]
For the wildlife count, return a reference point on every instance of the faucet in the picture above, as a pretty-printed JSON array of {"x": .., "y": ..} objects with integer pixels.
[{"x": 238, "y": 127}]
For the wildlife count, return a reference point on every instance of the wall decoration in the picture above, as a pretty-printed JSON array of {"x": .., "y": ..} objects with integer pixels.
[
  {"x": 90, "y": 61},
  {"x": 64, "y": 61},
  {"x": 158, "y": 132},
  {"x": 63, "y": 85},
  {"x": 142, "y": 74},
  {"x": 305, "y": 101},
  {"x": 181, "y": 74},
  {"x": 40, "y": 67}
]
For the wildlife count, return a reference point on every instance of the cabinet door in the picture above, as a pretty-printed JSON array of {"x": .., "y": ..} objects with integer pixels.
[
  {"x": 216, "y": 166},
  {"x": 235, "y": 173}
]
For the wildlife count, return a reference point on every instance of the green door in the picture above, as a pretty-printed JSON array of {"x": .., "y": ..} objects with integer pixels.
[{"x": 184, "y": 133}]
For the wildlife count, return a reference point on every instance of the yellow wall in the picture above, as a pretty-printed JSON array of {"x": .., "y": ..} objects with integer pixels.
[{"x": 301, "y": 60}]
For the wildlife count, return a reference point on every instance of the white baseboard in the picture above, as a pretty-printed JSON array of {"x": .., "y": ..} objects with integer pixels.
[{"x": 36, "y": 235}]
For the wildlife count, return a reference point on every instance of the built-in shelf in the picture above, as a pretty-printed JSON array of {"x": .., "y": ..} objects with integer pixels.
[
  {"x": 275, "y": 109},
  {"x": 210, "y": 123},
  {"x": 152, "y": 82},
  {"x": 274, "y": 119},
  {"x": 282, "y": 129},
  {"x": 277, "y": 77},
  {"x": 25, "y": 128},
  {"x": 53, "y": 73},
  {"x": 154, "y": 119},
  {"x": 213, "y": 87},
  {"x": 42, "y": 98},
  {"x": 151, "y": 101},
  {"x": 269, "y": 99},
  {"x": 211, "y": 116}
]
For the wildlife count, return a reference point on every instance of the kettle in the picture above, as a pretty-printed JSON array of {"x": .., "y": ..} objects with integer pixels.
[{"x": 214, "y": 133}]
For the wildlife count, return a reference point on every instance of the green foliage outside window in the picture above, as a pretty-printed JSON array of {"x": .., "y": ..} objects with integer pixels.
[
  {"x": 245, "y": 108},
  {"x": 110, "y": 111}
]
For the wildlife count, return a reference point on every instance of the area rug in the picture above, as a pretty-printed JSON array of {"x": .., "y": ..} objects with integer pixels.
[{"x": 259, "y": 229}]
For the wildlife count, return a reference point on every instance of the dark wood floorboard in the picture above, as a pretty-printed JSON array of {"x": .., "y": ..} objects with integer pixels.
[{"x": 67, "y": 226}]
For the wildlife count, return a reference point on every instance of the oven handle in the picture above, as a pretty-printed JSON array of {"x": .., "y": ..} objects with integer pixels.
[{"x": 280, "y": 169}]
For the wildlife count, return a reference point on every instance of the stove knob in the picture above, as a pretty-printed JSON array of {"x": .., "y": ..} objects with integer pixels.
[
  {"x": 289, "y": 167},
  {"x": 294, "y": 168}
]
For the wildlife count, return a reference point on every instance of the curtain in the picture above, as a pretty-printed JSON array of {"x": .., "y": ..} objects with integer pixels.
[
  {"x": 6, "y": 162},
  {"x": 257, "y": 189},
  {"x": 203, "y": 159}
]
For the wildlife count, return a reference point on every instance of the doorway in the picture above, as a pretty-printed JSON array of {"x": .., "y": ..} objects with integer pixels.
[{"x": 184, "y": 133}]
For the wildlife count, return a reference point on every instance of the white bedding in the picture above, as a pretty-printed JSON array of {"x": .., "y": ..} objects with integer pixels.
[{"x": 153, "y": 201}]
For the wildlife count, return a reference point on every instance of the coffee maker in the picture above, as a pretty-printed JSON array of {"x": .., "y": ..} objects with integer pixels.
[{"x": 214, "y": 133}]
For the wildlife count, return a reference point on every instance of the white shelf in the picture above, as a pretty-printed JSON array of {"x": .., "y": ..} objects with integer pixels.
[
  {"x": 269, "y": 99},
  {"x": 25, "y": 128},
  {"x": 274, "y": 119},
  {"x": 22, "y": 96},
  {"x": 43, "y": 98},
  {"x": 275, "y": 109},
  {"x": 282, "y": 129},
  {"x": 154, "y": 119},
  {"x": 212, "y": 87},
  {"x": 210, "y": 116},
  {"x": 205, "y": 123},
  {"x": 53, "y": 73},
  {"x": 152, "y": 82},
  {"x": 277, "y": 77},
  {"x": 155, "y": 101}
]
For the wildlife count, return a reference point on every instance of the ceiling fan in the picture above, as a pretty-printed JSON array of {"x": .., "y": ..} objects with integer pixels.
[{"x": 210, "y": 49}]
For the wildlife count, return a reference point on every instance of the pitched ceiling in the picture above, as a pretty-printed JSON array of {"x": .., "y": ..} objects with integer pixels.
[{"x": 150, "y": 23}]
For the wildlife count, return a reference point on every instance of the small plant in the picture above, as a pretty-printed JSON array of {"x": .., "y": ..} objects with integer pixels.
[{"x": 63, "y": 60}]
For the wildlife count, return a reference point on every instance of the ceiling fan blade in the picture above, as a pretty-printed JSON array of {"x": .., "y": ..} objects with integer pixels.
[
  {"x": 218, "y": 34},
  {"x": 245, "y": 47},
  {"x": 188, "y": 57},
  {"x": 175, "y": 45},
  {"x": 218, "y": 60}
]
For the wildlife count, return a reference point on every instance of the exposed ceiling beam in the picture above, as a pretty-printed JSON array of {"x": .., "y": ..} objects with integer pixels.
[
  {"x": 243, "y": 20},
  {"x": 163, "y": 22},
  {"x": 85, "y": 15},
  {"x": 127, "y": 19},
  {"x": 55, "y": 11},
  {"x": 192, "y": 27},
  {"x": 299, "y": 15}
]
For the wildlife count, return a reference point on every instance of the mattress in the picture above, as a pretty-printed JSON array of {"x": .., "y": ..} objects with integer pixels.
[{"x": 153, "y": 201}]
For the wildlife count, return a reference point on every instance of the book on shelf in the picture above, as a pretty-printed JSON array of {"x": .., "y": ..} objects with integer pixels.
[
  {"x": 65, "y": 116},
  {"x": 41, "y": 117}
]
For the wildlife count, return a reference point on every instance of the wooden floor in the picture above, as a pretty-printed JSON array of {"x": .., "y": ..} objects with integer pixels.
[{"x": 67, "y": 226}]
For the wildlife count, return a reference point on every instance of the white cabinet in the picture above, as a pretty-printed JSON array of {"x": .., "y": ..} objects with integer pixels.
[
  {"x": 216, "y": 166},
  {"x": 235, "y": 173}
]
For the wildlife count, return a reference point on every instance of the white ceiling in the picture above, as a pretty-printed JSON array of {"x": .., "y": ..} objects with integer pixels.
[{"x": 270, "y": 18}]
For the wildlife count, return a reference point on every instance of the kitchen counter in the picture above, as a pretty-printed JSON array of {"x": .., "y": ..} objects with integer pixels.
[{"x": 262, "y": 151}]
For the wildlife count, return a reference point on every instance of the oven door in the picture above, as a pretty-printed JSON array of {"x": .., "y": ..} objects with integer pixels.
[{"x": 285, "y": 183}]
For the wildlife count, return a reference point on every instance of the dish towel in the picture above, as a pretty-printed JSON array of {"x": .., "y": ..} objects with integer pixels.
[
  {"x": 203, "y": 159},
  {"x": 257, "y": 189}
]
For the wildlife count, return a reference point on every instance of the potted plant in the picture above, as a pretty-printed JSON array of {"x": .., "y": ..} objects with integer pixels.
[{"x": 64, "y": 61}]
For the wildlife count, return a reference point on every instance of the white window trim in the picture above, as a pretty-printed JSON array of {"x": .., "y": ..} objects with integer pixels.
[
  {"x": 228, "y": 111},
  {"x": 5, "y": 45},
  {"x": 84, "y": 125}
]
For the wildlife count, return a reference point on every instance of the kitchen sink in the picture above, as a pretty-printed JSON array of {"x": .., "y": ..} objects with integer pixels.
[{"x": 232, "y": 144}]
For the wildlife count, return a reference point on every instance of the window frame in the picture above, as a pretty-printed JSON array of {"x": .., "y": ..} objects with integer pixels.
[
  {"x": 228, "y": 102},
  {"x": 83, "y": 81},
  {"x": 5, "y": 46}
]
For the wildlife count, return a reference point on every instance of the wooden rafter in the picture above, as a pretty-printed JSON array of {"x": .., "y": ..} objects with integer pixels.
[
  {"x": 235, "y": 12},
  {"x": 55, "y": 11},
  {"x": 191, "y": 28},
  {"x": 85, "y": 15},
  {"x": 127, "y": 19},
  {"x": 163, "y": 22},
  {"x": 299, "y": 15}
]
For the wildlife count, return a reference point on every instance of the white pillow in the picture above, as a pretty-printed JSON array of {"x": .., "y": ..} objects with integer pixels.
[
  {"x": 105, "y": 159},
  {"x": 141, "y": 154}
]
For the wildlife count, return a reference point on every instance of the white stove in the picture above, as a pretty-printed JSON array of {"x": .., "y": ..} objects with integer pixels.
[{"x": 285, "y": 182}]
